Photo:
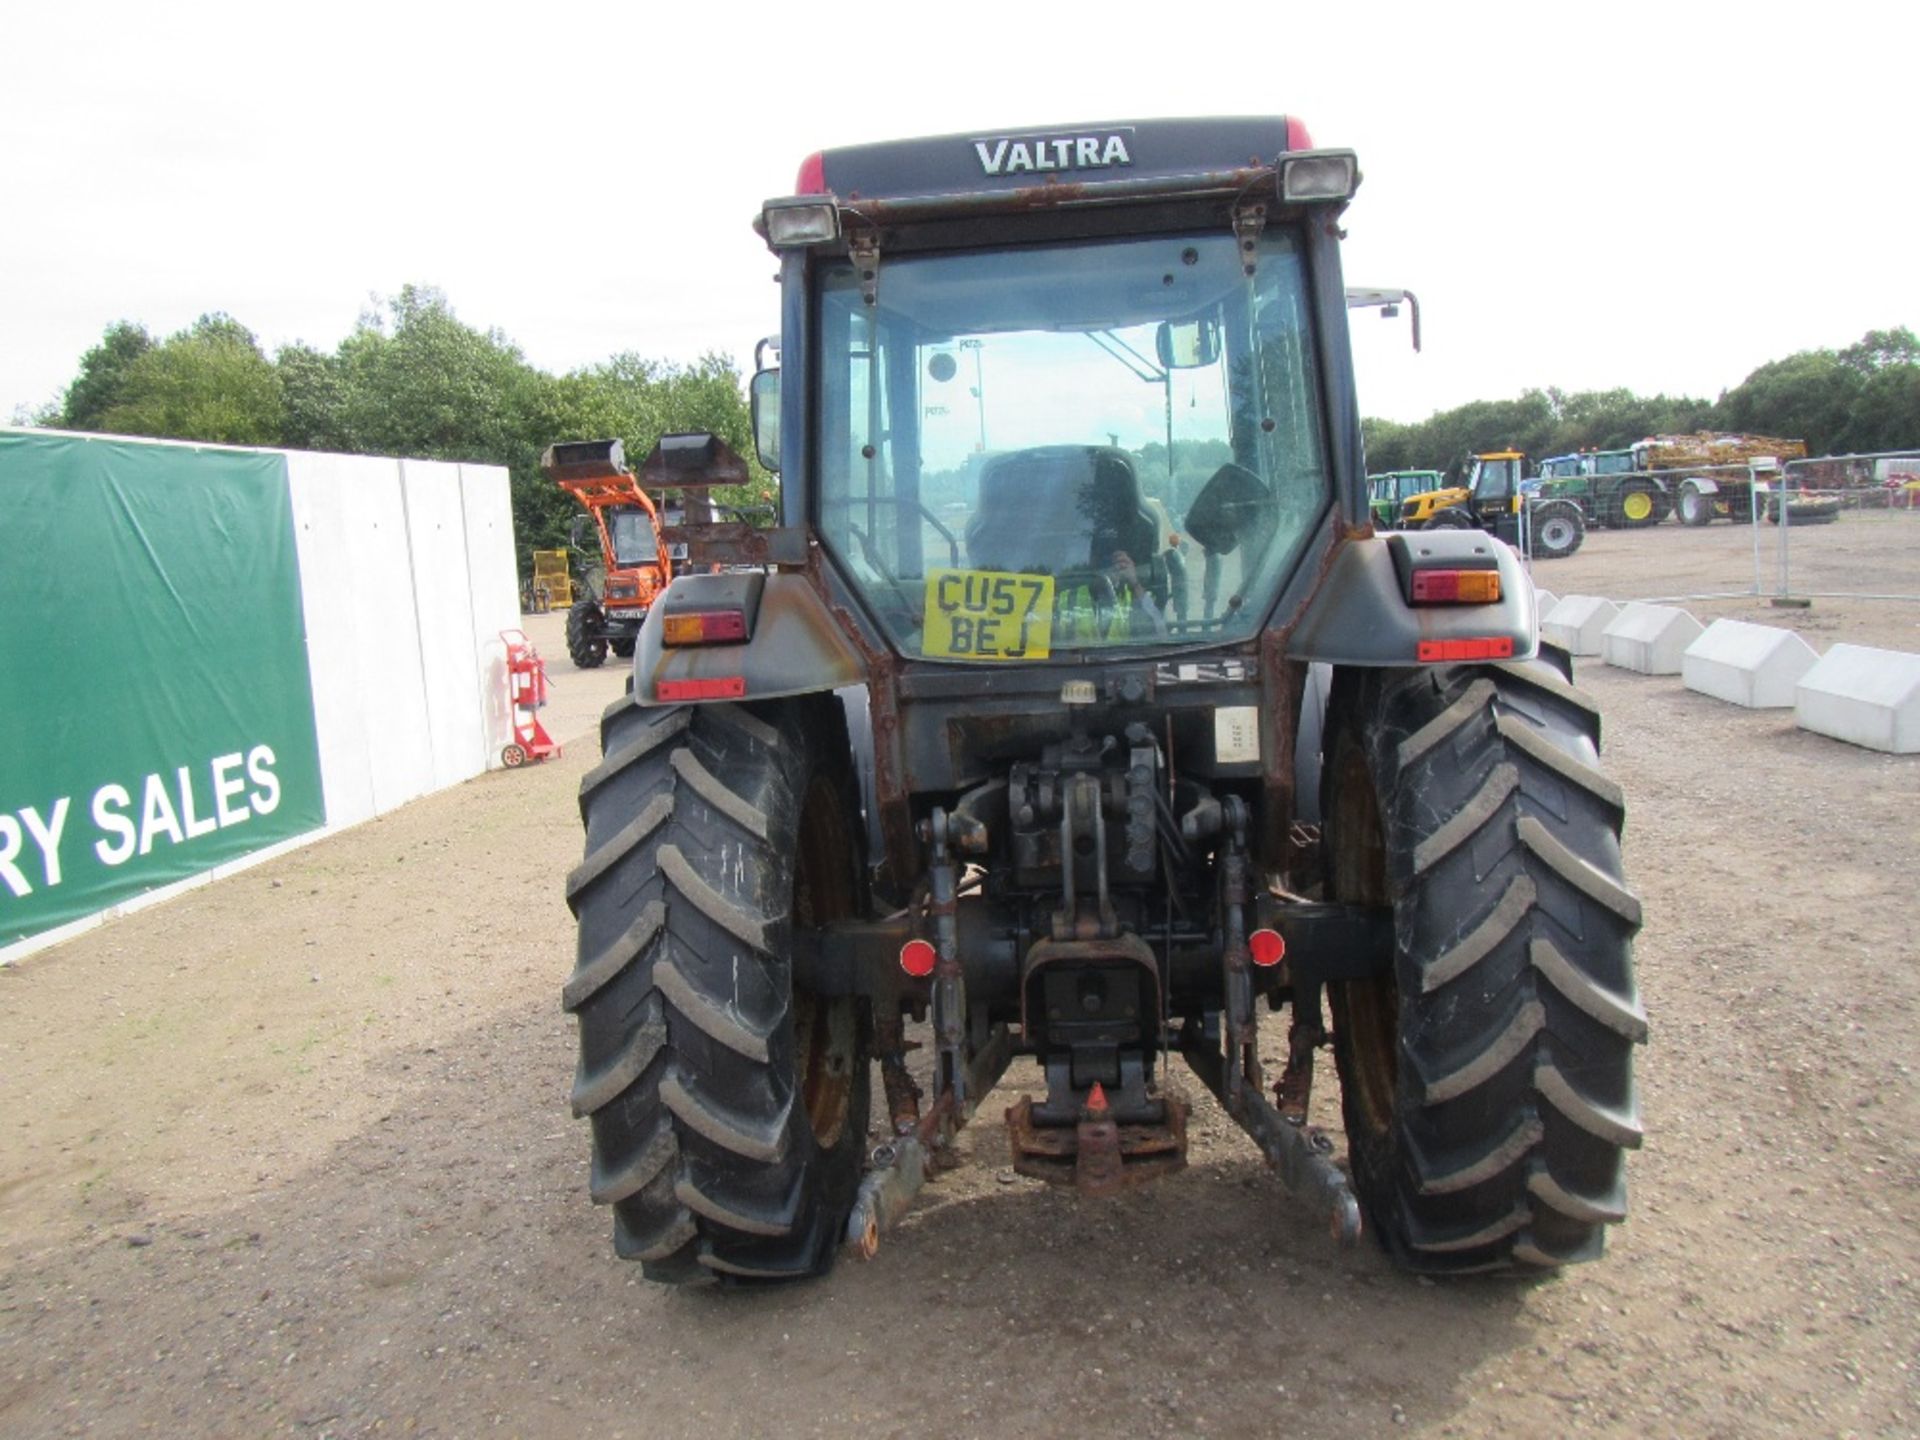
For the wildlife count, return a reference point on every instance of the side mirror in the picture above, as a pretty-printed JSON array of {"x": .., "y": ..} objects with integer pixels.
[
  {"x": 1187, "y": 345},
  {"x": 1231, "y": 507},
  {"x": 764, "y": 396}
]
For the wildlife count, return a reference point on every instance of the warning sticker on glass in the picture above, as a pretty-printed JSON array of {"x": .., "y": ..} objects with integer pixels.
[
  {"x": 987, "y": 615},
  {"x": 1236, "y": 735}
]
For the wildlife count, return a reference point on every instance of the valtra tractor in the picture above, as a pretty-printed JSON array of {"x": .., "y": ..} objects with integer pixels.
[
  {"x": 955, "y": 742},
  {"x": 634, "y": 561}
]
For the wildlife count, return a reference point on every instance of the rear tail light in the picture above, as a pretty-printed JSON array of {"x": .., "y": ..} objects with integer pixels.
[
  {"x": 1456, "y": 587},
  {"x": 1268, "y": 947},
  {"x": 704, "y": 627}
]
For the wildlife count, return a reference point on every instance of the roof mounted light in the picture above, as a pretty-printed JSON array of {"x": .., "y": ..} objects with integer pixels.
[
  {"x": 802, "y": 220},
  {"x": 1318, "y": 175}
]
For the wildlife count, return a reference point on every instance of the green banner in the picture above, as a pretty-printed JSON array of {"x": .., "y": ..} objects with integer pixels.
[{"x": 153, "y": 670}]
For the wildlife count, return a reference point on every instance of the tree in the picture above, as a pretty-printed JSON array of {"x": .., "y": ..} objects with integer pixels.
[
  {"x": 1882, "y": 349},
  {"x": 209, "y": 382},
  {"x": 103, "y": 370},
  {"x": 1807, "y": 396},
  {"x": 315, "y": 395}
]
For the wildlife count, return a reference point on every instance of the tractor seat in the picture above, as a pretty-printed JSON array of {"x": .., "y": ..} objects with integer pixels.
[{"x": 1055, "y": 509}]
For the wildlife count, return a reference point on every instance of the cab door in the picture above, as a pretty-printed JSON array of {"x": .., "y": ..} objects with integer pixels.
[{"x": 1494, "y": 489}]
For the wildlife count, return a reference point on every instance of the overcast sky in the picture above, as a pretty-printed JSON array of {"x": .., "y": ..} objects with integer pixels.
[{"x": 1585, "y": 195}]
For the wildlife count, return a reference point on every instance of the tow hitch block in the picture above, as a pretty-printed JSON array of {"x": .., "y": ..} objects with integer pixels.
[{"x": 1100, "y": 1154}]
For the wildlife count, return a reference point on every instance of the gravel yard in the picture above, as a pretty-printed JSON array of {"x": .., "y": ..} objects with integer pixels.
[{"x": 291, "y": 1154}]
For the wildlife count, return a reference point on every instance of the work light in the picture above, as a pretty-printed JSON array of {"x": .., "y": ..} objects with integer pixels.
[
  {"x": 803, "y": 220},
  {"x": 1326, "y": 175}
]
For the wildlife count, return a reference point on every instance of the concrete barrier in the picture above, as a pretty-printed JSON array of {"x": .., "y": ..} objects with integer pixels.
[
  {"x": 1752, "y": 665},
  {"x": 1864, "y": 696},
  {"x": 1544, "y": 601},
  {"x": 1577, "y": 622},
  {"x": 1649, "y": 639}
]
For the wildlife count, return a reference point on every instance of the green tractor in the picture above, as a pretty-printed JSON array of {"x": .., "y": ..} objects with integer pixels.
[
  {"x": 954, "y": 744},
  {"x": 1388, "y": 493},
  {"x": 1609, "y": 488}
]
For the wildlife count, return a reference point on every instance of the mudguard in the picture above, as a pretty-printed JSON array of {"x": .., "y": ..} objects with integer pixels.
[
  {"x": 1360, "y": 615},
  {"x": 794, "y": 646}
]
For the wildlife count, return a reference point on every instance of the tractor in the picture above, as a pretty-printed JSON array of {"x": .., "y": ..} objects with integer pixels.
[
  {"x": 1494, "y": 499},
  {"x": 635, "y": 566},
  {"x": 1388, "y": 493},
  {"x": 953, "y": 748}
]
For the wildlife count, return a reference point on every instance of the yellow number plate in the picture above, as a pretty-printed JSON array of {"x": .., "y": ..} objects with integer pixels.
[{"x": 986, "y": 615}]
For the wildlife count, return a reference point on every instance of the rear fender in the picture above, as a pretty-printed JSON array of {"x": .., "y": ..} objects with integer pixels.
[
  {"x": 794, "y": 647},
  {"x": 1360, "y": 615}
]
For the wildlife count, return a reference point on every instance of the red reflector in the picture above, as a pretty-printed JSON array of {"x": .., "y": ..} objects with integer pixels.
[
  {"x": 1495, "y": 647},
  {"x": 813, "y": 175},
  {"x": 916, "y": 958},
  {"x": 1297, "y": 136},
  {"x": 727, "y": 687},
  {"x": 1269, "y": 947}
]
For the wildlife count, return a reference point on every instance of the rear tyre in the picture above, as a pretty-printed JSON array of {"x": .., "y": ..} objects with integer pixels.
[
  {"x": 729, "y": 1105},
  {"x": 1487, "y": 1087},
  {"x": 1695, "y": 505},
  {"x": 1558, "y": 529},
  {"x": 1454, "y": 517},
  {"x": 585, "y": 643}
]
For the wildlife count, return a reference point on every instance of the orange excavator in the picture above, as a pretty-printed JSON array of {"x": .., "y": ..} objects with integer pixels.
[{"x": 636, "y": 563}]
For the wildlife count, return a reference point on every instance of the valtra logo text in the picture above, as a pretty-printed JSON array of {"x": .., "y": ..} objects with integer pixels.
[{"x": 1007, "y": 156}]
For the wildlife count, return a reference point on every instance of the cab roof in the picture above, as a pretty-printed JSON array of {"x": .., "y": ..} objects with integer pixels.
[{"x": 1062, "y": 154}]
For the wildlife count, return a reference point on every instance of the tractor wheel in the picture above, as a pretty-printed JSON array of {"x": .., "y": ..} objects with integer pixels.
[
  {"x": 585, "y": 642},
  {"x": 1695, "y": 506},
  {"x": 1558, "y": 529},
  {"x": 1487, "y": 1086},
  {"x": 1453, "y": 517},
  {"x": 622, "y": 649},
  {"x": 729, "y": 1106},
  {"x": 1638, "y": 504}
]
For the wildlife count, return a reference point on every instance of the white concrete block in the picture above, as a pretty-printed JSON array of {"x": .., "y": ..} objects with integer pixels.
[
  {"x": 1752, "y": 665},
  {"x": 1649, "y": 639},
  {"x": 1864, "y": 696},
  {"x": 1576, "y": 623},
  {"x": 1544, "y": 601}
]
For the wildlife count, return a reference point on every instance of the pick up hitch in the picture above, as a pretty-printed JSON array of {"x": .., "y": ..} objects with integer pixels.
[
  {"x": 899, "y": 1167},
  {"x": 1301, "y": 1154}
]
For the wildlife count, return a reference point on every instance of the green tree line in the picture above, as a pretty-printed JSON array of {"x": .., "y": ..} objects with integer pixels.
[
  {"x": 1856, "y": 401},
  {"x": 412, "y": 380}
]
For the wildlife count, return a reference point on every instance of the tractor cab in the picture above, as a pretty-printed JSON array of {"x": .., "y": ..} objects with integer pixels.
[
  {"x": 1388, "y": 493},
  {"x": 1493, "y": 488}
]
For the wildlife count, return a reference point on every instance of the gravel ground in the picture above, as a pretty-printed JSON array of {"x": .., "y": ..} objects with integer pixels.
[{"x": 291, "y": 1155}]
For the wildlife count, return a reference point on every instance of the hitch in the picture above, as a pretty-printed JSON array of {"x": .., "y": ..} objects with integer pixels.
[{"x": 1101, "y": 1153}]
